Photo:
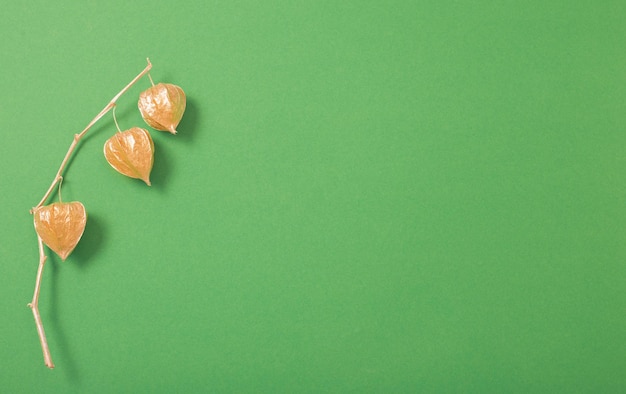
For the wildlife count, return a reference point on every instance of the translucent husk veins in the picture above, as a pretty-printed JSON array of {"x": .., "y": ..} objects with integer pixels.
[
  {"x": 60, "y": 226},
  {"x": 131, "y": 153},
  {"x": 162, "y": 106}
]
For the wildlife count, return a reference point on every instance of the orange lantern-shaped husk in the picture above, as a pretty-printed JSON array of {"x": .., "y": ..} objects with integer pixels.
[
  {"x": 162, "y": 106},
  {"x": 61, "y": 225},
  {"x": 131, "y": 153}
]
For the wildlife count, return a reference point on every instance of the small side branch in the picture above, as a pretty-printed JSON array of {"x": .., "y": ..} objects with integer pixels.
[{"x": 34, "y": 306}]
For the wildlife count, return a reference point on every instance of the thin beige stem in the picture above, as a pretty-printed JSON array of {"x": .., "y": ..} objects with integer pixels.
[
  {"x": 60, "y": 184},
  {"x": 77, "y": 137},
  {"x": 34, "y": 306},
  {"x": 117, "y": 126}
]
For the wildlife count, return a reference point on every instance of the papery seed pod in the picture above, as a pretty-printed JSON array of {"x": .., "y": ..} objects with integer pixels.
[
  {"x": 162, "y": 106},
  {"x": 61, "y": 225},
  {"x": 131, "y": 153}
]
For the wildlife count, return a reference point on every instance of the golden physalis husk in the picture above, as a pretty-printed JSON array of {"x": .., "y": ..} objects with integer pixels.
[
  {"x": 162, "y": 106},
  {"x": 131, "y": 153},
  {"x": 61, "y": 225}
]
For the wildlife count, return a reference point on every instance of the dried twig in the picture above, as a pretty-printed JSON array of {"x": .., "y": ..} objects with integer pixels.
[{"x": 34, "y": 304}]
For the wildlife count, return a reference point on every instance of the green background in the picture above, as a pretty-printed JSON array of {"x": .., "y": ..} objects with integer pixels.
[{"x": 400, "y": 196}]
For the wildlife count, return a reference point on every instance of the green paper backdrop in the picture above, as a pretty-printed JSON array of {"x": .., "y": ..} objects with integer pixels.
[{"x": 384, "y": 197}]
